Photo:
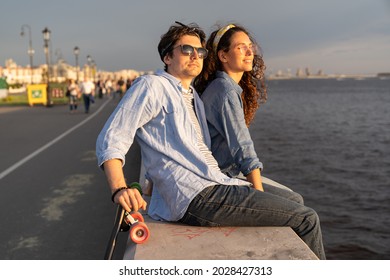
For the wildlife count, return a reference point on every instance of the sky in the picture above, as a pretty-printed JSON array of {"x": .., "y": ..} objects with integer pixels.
[{"x": 336, "y": 36}]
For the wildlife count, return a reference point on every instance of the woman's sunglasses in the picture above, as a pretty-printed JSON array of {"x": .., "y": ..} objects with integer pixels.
[{"x": 189, "y": 50}]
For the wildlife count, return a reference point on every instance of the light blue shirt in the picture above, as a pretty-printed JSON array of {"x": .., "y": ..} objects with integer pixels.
[
  {"x": 231, "y": 143},
  {"x": 154, "y": 113}
]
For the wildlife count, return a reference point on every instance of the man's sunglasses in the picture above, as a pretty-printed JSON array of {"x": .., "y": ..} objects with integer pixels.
[{"x": 189, "y": 50}]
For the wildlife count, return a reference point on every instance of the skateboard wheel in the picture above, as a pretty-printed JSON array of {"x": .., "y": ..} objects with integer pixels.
[
  {"x": 137, "y": 216},
  {"x": 139, "y": 233}
]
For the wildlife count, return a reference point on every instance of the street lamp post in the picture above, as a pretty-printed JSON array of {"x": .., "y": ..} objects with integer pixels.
[
  {"x": 93, "y": 70},
  {"x": 46, "y": 39},
  {"x": 30, "y": 49},
  {"x": 89, "y": 60},
  {"x": 76, "y": 52},
  {"x": 92, "y": 67}
]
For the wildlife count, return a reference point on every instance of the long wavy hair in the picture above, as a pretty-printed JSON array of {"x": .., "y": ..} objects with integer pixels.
[{"x": 252, "y": 82}]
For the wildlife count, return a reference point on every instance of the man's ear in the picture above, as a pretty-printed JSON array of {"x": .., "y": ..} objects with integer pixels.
[{"x": 167, "y": 59}]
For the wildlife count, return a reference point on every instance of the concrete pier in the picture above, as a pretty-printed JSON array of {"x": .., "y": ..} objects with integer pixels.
[{"x": 175, "y": 241}]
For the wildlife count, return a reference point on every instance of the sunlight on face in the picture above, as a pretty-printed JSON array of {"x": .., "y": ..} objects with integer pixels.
[
  {"x": 239, "y": 58},
  {"x": 182, "y": 66}
]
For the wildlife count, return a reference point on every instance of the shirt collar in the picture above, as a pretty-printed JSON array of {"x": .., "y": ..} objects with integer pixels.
[
  {"x": 168, "y": 76},
  {"x": 224, "y": 75},
  {"x": 174, "y": 80}
]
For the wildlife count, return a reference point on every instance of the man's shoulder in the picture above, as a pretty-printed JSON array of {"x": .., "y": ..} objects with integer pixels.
[
  {"x": 153, "y": 80},
  {"x": 154, "y": 86}
]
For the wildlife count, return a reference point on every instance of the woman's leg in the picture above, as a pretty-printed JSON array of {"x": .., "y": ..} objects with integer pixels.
[
  {"x": 287, "y": 194},
  {"x": 277, "y": 189},
  {"x": 270, "y": 182},
  {"x": 72, "y": 105}
]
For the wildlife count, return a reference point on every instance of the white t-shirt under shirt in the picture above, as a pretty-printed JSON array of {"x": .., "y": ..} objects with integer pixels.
[{"x": 189, "y": 101}]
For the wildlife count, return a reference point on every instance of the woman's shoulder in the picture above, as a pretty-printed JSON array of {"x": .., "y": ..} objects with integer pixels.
[
  {"x": 219, "y": 88},
  {"x": 221, "y": 81}
]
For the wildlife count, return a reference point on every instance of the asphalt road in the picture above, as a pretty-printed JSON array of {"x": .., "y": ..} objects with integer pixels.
[{"x": 54, "y": 200}]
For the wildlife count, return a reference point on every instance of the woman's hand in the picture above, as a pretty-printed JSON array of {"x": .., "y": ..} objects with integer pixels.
[{"x": 255, "y": 178}]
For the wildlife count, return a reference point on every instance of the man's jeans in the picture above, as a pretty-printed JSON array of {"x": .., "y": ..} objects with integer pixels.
[{"x": 244, "y": 206}]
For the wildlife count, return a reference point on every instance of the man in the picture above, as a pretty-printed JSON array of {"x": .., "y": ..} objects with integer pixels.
[
  {"x": 166, "y": 116},
  {"x": 88, "y": 92}
]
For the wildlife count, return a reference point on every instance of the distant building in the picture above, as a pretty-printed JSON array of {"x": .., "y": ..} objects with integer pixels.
[
  {"x": 58, "y": 72},
  {"x": 300, "y": 73},
  {"x": 307, "y": 71},
  {"x": 17, "y": 74},
  {"x": 384, "y": 75}
]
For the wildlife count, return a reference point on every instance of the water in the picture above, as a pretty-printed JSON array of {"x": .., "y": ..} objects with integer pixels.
[{"x": 330, "y": 141}]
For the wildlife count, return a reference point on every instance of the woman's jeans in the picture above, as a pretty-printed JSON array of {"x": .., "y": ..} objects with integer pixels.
[
  {"x": 73, "y": 102},
  {"x": 245, "y": 206}
]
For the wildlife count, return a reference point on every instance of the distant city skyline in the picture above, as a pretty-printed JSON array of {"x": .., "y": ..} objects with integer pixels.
[{"x": 350, "y": 36}]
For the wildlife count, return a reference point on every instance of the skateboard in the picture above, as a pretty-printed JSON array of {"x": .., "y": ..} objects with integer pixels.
[{"x": 125, "y": 221}]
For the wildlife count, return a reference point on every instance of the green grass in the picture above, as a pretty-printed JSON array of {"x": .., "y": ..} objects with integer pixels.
[
  {"x": 22, "y": 100},
  {"x": 14, "y": 100}
]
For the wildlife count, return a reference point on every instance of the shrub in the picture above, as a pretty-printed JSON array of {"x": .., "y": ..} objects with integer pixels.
[{"x": 3, "y": 83}]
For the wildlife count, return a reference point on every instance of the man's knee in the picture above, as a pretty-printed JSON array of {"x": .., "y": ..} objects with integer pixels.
[
  {"x": 297, "y": 198},
  {"x": 312, "y": 217}
]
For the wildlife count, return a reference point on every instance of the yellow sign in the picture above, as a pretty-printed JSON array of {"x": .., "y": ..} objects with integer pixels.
[{"x": 37, "y": 94}]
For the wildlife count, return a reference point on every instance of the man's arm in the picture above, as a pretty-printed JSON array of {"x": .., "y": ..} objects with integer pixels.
[{"x": 129, "y": 199}]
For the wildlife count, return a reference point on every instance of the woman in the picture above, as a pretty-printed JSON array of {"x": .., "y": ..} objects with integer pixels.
[
  {"x": 232, "y": 87},
  {"x": 73, "y": 90}
]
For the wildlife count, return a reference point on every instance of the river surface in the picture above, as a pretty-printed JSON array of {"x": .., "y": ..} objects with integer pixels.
[{"x": 329, "y": 140}]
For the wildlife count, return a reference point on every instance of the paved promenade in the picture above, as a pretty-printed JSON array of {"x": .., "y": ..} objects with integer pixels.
[{"x": 54, "y": 201}]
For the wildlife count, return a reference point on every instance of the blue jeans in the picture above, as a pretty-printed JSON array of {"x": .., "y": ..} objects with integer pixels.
[
  {"x": 73, "y": 102},
  {"x": 88, "y": 99},
  {"x": 244, "y": 206}
]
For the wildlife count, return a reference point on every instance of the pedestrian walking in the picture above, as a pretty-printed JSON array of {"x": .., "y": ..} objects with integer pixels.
[
  {"x": 88, "y": 92},
  {"x": 73, "y": 95}
]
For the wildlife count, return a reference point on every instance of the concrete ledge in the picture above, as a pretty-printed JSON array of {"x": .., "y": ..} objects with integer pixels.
[{"x": 170, "y": 241}]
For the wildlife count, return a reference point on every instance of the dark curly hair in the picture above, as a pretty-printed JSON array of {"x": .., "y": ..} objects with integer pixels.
[
  {"x": 253, "y": 83},
  {"x": 175, "y": 32}
]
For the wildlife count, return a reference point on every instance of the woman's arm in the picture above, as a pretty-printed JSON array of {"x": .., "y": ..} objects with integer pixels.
[{"x": 255, "y": 178}]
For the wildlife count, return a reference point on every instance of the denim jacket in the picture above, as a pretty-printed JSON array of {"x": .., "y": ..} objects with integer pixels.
[
  {"x": 231, "y": 143},
  {"x": 154, "y": 113}
]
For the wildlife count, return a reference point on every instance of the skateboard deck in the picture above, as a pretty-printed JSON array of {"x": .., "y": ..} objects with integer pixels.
[{"x": 124, "y": 221}]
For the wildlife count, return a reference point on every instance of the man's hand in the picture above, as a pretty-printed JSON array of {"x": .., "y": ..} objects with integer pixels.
[{"x": 130, "y": 200}]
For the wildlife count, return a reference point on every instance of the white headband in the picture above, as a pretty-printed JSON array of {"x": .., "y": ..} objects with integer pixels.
[{"x": 219, "y": 35}]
